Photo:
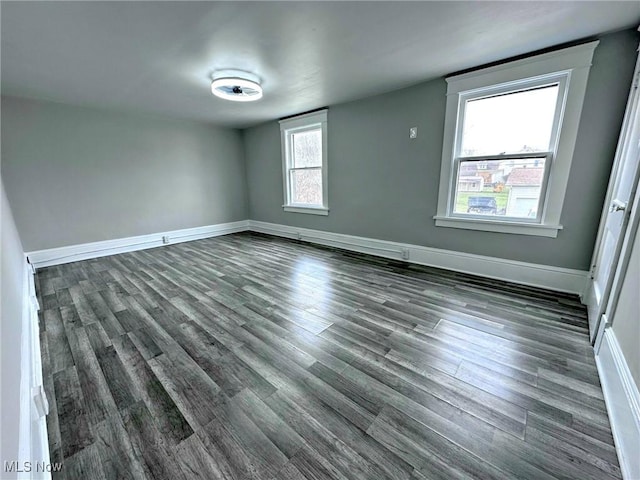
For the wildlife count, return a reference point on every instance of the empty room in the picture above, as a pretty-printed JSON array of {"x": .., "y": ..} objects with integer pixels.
[{"x": 320, "y": 240}]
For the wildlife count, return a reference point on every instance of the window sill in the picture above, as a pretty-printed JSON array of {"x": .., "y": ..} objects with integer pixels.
[
  {"x": 498, "y": 226},
  {"x": 306, "y": 209}
]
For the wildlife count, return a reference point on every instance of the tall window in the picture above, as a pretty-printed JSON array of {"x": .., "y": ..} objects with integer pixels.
[
  {"x": 504, "y": 149},
  {"x": 304, "y": 158},
  {"x": 509, "y": 137}
]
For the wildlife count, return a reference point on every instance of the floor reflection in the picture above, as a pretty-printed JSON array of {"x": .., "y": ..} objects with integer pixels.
[{"x": 312, "y": 288}]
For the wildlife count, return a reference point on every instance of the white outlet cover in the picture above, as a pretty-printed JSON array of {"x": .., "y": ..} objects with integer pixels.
[{"x": 413, "y": 132}]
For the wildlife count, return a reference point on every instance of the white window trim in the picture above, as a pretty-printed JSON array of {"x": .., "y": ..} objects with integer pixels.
[
  {"x": 296, "y": 124},
  {"x": 575, "y": 62}
]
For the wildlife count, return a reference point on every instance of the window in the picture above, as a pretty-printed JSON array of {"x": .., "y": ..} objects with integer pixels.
[
  {"x": 510, "y": 132},
  {"x": 304, "y": 159},
  {"x": 504, "y": 148}
]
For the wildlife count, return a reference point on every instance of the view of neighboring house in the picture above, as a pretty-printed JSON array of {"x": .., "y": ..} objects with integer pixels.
[
  {"x": 525, "y": 184},
  {"x": 471, "y": 183},
  {"x": 492, "y": 172},
  {"x": 517, "y": 181},
  {"x": 474, "y": 176}
]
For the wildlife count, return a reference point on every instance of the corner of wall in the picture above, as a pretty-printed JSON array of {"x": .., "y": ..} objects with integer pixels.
[{"x": 245, "y": 172}]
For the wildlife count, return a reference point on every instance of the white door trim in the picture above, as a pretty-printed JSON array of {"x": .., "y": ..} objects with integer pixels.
[
  {"x": 33, "y": 442},
  {"x": 622, "y": 400},
  {"x": 621, "y": 257}
]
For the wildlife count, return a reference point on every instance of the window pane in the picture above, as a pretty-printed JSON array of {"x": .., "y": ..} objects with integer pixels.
[
  {"x": 306, "y": 186},
  {"x": 509, "y": 188},
  {"x": 307, "y": 149},
  {"x": 511, "y": 123}
]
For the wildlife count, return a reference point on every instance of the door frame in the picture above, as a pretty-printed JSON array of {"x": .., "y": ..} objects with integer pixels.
[
  {"x": 609, "y": 311},
  {"x": 621, "y": 260}
]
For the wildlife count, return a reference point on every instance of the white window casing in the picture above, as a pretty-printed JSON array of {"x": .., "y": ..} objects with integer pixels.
[
  {"x": 288, "y": 127},
  {"x": 569, "y": 68}
]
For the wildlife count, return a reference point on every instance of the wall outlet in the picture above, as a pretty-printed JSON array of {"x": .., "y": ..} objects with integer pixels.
[
  {"x": 413, "y": 132},
  {"x": 165, "y": 240},
  {"x": 405, "y": 254}
]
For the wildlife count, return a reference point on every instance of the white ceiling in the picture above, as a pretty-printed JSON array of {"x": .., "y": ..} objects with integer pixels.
[{"x": 158, "y": 57}]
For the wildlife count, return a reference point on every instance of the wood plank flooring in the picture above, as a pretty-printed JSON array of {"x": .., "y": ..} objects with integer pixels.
[{"x": 253, "y": 357}]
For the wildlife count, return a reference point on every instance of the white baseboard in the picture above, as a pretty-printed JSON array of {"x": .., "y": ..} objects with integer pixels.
[
  {"x": 545, "y": 276},
  {"x": 553, "y": 278},
  {"x": 85, "y": 251},
  {"x": 33, "y": 442},
  {"x": 623, "y": 403}
]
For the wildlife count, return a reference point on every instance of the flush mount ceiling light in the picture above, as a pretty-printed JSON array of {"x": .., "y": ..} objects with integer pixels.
[{"x": 236, "y": 86}]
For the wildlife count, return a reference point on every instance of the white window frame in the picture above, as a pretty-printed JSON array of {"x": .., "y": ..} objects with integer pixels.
[
  {"x": 569, "y": 68},
  {"x": 288, "y": 127}
]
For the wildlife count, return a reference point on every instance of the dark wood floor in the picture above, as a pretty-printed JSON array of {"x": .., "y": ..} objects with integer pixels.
[{"x": 248, "y": 356}]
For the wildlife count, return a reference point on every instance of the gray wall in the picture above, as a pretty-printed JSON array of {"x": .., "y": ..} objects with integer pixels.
[
  {"x": 385, "y": 186},
  {"x": 11, "y": 297},
  {"x": 626, "y": 323},
  {"x": 76, "y": 175}
]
